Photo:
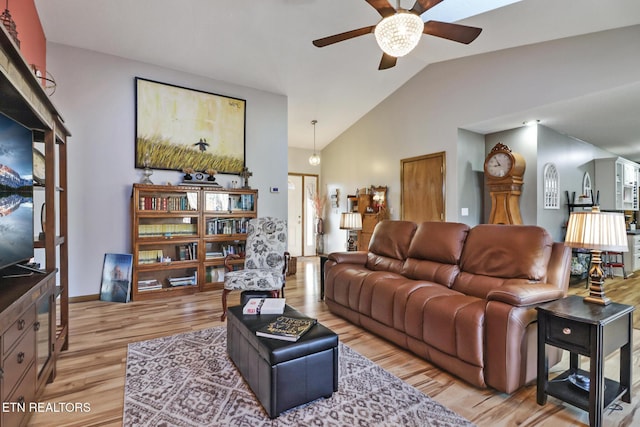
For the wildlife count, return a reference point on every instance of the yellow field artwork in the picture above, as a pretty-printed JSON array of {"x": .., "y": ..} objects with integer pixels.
[{"x": 178, "y": 128}]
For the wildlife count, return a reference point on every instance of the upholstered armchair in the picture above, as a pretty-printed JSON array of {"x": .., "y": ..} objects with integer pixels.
[{"x": 266, "y": 260}]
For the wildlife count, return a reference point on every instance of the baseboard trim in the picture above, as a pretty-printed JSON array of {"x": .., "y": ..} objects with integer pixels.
[{"x": 84, "y": 298}]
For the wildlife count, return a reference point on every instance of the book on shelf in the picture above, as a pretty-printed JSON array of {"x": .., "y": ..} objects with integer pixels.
[
  {"x": 286, "y": 328},
  {"x": 214, "y": 254},
  {"x": 187, "y": 252},
  {"x": 187, "y": 202},
  {"x": 150, "y": 256},
  {"x": 227, "y": 226},
  {"x": 183, "y": 281},
  {"x": 264, "y": 306},
  {"x": 148, "y": 285},
  {"x": 215, "y": 273}
]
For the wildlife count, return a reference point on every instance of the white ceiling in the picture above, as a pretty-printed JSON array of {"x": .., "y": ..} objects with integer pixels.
[{"x": 266, "y": 44}]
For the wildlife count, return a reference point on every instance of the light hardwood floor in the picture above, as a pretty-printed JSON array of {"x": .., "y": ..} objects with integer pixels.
[{"x": 93, "y": 369}]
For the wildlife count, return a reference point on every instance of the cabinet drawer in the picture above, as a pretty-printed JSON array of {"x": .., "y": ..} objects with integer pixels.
[
  {"x": 11, "y": 335},
  {"x": 634, "y": 243},
  {"x": 568, "y": 334},
  {"x": 25, "y": 392},
  {"x": 18, "y": 360}
]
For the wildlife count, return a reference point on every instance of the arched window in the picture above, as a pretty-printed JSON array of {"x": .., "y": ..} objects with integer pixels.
[
  {"x": 551, "y": 187},
  {"x": 586, "y": 186}
]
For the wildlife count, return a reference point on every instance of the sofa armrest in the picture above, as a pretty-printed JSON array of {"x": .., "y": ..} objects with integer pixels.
[
  {"x": 525, "y": 295},
  {"x": 353, "y": 257}
]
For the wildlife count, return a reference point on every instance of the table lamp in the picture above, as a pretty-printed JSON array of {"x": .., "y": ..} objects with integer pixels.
[
  {"x": 597, "y": 231},
  {"x": 350, "y": 221}
]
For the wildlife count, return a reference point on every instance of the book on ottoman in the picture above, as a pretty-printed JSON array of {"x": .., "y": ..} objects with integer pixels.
[
  {"x": 264, "y": 306},
  {"x": 286, "y": 328}
]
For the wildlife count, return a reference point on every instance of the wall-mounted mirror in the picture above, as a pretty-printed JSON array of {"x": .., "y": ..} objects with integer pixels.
[{"x": 379, "y": 198}]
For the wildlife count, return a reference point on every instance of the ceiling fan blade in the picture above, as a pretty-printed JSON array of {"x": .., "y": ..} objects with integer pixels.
[
  {"x": 456, "y": 32},
  {"x": 421, "y": 6},
  {"x": 326, "y": 41},
  {"x": 383, "y": 7},
  {"x": 387, "y": 62}
]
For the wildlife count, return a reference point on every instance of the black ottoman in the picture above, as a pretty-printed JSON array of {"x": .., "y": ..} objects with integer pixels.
[{"x": 283, "y": 374}]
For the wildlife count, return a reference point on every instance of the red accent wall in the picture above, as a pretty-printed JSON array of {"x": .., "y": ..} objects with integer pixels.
[{"x": 33, "y": 43}]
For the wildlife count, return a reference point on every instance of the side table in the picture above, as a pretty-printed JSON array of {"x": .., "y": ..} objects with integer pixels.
[{"x": 589, "y": 330}]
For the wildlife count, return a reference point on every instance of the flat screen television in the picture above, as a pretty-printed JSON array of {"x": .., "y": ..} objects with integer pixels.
[{"x": 16, "y": 193}]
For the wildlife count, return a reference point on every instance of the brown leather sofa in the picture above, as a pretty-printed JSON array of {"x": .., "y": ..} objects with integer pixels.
[{"x": 463, "y": 298}]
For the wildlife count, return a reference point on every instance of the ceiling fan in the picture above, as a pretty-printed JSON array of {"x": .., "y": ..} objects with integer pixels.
[{"x": 400, "y": 30}]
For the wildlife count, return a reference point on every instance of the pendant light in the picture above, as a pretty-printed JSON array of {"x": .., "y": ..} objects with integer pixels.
[{"x": 314, "y": 160}]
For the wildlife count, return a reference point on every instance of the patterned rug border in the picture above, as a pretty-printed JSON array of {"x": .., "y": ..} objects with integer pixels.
[{"x": 187, "y": 380}]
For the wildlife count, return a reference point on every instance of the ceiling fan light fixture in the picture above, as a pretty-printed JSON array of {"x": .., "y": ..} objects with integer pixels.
[{"x": 399, "y": 34}]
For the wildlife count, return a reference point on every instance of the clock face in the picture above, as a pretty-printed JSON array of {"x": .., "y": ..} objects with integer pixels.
[
  {"x": 199, "y": 176},
  {"x": 499, "y": 165}
]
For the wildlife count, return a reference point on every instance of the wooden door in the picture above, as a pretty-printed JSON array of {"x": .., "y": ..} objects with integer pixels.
[{"x": 422, "y": 196}]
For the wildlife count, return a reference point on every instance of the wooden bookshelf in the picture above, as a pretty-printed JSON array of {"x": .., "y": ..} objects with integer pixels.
[{"x": 181, "y": 235}]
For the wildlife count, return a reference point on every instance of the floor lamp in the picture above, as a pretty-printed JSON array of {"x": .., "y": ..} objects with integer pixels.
[
  {"x": 350, "y": 221},
  {"x": 597, "y": 231}
]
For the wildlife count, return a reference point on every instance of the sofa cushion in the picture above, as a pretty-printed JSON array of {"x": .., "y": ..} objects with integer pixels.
[
  {"x": 497, "y": 255},
  {"x": 350, "y": 278},
  {"x": 447, "y": 320},
  {"x": 389, "y": 245},
  {"x": 435, "y": 251},
  {"x": 383, "y": 297}
]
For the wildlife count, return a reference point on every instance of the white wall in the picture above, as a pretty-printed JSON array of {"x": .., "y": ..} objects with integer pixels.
[
  {"x": 572, "y": 158},
  {"x": 470, "y": 165},
  {"x": 298, "y": 161},
  {"x": 424, "y": 115},
  {"x": 95, "y": 94}
]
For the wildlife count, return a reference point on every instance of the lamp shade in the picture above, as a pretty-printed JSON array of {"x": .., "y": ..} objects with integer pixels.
[
  {"x": 600, "y": 231},
  {"x": 350, "y": 221}
]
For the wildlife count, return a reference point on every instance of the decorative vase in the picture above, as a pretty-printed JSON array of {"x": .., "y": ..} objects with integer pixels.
[
  {"x": 187, "y": 177},
  {"x": 319, "y": 226},
  {"x": 319, "y": 244}
]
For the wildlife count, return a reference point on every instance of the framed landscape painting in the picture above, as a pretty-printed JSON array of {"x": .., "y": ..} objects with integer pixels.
[{"x": 179, "y": 128}]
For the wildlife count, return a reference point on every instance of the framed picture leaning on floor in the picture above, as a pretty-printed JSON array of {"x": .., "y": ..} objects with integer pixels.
[{"x": 116, "y": 277}]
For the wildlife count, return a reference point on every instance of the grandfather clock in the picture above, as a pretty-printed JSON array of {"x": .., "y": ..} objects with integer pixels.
[{"x": 504, "y": 170}]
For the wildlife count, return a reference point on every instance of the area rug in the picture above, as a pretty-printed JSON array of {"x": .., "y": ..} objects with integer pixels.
[{"x": 188, "y": 380}]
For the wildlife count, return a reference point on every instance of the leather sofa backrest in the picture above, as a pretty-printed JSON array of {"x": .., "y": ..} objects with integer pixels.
[
  {"x": 435, "y": 252},
  {"x": 389, "y": 245},
  {"x": 495, "y": 255}
]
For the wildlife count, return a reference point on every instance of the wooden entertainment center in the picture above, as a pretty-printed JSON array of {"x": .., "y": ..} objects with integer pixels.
[{"x": 34, "y": 312}]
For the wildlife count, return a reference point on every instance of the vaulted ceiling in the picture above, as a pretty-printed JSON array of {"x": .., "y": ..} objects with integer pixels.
[{"x": 266, "y": 44}]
